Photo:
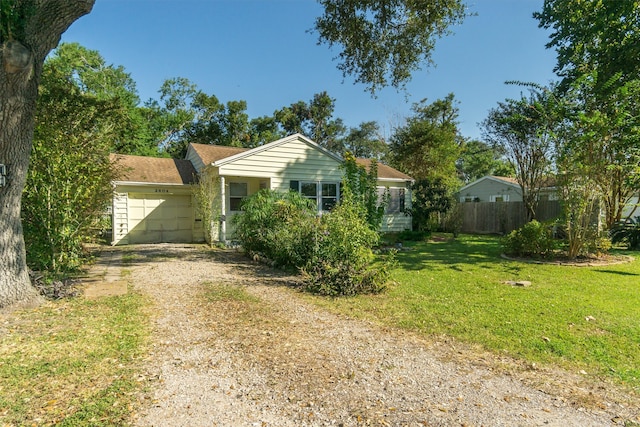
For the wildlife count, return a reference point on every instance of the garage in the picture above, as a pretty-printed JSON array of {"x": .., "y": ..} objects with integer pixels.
[
  {"x": 160, "y": 219},
  {"x": 153, "y": 201}
]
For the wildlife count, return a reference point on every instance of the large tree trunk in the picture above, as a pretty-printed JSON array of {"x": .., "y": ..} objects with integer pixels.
[{"x": 34, "y": 34}]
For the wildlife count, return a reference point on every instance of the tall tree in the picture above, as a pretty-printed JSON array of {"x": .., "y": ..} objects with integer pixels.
[
  {"x": 30, "y": 29},
  {"x": 315, "y": 120},
  {"x": 523, "y": 130},
  {"x": 598, "y": 45},
  {"x": 263, "y": 130},
  {"x": 602, "y": 136},
  {"x": 185, "y": 114},
  {"x": 89, "y": 73},
  {"x": 479, "y": 159},
  {"x": 594, "y": 35},
  {"x": 383, "y": 42},
  {"x": 78, "y": 117},
  {"x": 366, "y": 141},
  {"x": 429, "y": 144}
]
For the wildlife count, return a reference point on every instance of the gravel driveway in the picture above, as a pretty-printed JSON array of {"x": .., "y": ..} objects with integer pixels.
[{"x": 274, "y": 360}]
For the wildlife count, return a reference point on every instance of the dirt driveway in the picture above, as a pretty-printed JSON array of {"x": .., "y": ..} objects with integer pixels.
[{"x": 270, "y": 359}]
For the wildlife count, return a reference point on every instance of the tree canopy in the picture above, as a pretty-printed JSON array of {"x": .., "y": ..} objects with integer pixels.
[
  {"x": 593, "y": 35},
  {"x": 429, "y": 144},
  {"x": 383, "y": 42},
  {"x": 523, "y": 130}
]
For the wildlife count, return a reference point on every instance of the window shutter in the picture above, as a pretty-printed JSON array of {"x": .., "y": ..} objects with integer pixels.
[{"x": 294, "y": 185}]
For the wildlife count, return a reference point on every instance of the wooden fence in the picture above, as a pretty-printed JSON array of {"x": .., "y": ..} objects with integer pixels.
[{"x": 502, "y": 217}]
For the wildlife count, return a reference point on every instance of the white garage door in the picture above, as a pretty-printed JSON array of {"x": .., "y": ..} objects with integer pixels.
[{"x": 157, "y": 218}]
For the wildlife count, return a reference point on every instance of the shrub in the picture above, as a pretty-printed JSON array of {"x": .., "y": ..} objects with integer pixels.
[
  {"x": 278, "y": 225},
  {"x": 343, "y": 256},
  {"x": 627, "y": 232},
  {"x": 413, "y": 236},
  {"x": 334, "y": 252},
  {"x": 532, "y": 239}
]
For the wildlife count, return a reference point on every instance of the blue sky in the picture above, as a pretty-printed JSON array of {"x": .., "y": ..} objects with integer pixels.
[{"x": 260, "y": 51}]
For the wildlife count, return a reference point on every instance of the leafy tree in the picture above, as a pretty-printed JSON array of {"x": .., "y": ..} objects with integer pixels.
[
  {"x": 186, "y": 115},
  {"x": 68, "y": 184},
  {"x": 383, "y": 42},
  {"x": 432, "y": 199},
  {"x": 30, "y": 30},
  {"x": 523, "y": 130},
  {"x": 479, "y": 159},
  {"x": 594, "y": 36},
  {"x": 601, "y": 136},
  {"x": 263, "y": 130},
  {"x": 598, "y": 44},
  {"x": 88, "y": 71},
  {"x": 181, "y": 105},
  {"x": 429, "y": 145},
  {"x": 315, "y": 120},
  {"x": 365, "y": 141}
]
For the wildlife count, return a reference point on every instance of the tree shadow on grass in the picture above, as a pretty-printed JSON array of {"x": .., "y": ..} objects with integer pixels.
[
  {"x": 619, "y": 273},
  {"x": 481, "y": 251}
]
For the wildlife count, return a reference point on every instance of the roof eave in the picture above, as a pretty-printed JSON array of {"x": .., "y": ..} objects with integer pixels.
[{"x": 142, "y": 183}]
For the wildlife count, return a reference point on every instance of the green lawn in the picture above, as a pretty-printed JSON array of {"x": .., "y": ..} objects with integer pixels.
[
  {"x": 586, "y": 318},
  {"x": 73, "y": 362}
]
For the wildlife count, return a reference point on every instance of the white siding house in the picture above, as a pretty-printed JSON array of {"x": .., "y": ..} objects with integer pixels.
[{"x": 143, "y": 210}]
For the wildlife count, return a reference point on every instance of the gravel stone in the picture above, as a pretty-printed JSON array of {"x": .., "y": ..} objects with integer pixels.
[{"x": 280, "y": 361}]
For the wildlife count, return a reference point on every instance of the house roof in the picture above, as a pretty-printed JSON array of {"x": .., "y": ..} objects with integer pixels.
[
  {"x": 506, "y": 179},
  {"x": 548, "y": 183},
  {"x": 170, "y": 171},
  {"x": 212, "y": 153},
  {"x": 219, "y": 155},
  {"x": 502, "y": 179},
  {"x": 384, "y": 171},
  {"x": 154, "y": 169}
]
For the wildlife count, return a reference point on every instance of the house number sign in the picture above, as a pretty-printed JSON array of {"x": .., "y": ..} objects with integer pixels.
[{"x": 161, "y": 190}]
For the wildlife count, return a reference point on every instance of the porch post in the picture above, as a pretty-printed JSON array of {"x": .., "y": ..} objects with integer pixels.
[{"x": 223, "y": 218}]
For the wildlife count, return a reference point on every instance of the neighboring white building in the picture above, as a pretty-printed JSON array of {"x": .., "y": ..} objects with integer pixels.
[{"x": 154, "y": 202}]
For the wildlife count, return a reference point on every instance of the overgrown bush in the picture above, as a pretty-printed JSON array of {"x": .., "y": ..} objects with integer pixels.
[
  {"x": 343, "y": 255},
  {"x": 362, "y": 184},
  {"x": 532, "y": 239},
  {"x": 334, "y": 252},
  {"x": 278, "y": 225},
  {"x": 627, "y": 232}
]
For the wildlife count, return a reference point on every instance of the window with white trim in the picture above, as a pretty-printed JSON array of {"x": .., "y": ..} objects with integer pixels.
[
  {"x": 310, "y": 191},
  {"x": 499, "y": 198},
  {"x": 329, "y": 195},
  {"x": 238, "y": 191},
  {"x": 324, "y": 194},
  {"x": 468, "y": 199},
  {"x": 395, "y": 199}
]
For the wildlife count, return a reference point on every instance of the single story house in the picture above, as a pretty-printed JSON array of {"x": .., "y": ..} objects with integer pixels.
[
  {"x": 499, "y": 189},
  {"x": 154, "y": 198}
]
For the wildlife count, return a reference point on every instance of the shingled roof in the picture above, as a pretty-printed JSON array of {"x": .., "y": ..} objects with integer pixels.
[
  {"x": 384, "y": 171},
  {"x": 212, "y": 153},
  {"x": 154, "y": 169}
]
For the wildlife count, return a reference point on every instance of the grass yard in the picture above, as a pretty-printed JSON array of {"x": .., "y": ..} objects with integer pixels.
[
  {"x": 72, "y": 362},
  {"x": 581, "y": 318}
]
